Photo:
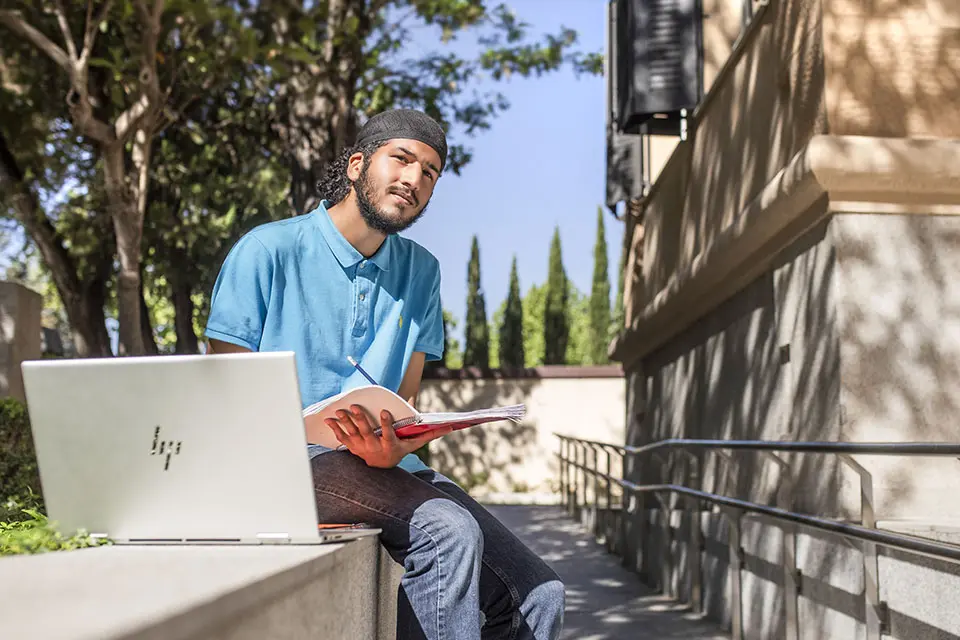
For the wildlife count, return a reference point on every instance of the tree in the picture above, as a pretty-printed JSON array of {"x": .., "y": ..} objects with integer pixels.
[
  {"x": 452, "y": 357},
  {"x": 510, "y": 331},
  {"x": 578, "y": 321},
  {"x": 124, "y": 82},
  {"x": 534, "y": 304},
  {"x": 599, "y": 299},
  {"x": 556, "y": 330},
  {"x": 476, "y": 351}
]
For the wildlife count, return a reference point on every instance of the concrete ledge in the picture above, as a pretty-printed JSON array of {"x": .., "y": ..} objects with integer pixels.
[
  {"x": 832, "y": 173},
  {"x": 211, "y": 592}
]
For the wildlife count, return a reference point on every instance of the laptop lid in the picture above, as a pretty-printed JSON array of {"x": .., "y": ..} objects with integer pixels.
[{"x": 206, "y": 448}]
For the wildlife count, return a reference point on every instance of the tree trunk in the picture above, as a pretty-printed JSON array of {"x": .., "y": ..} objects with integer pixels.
[
  {"x": 127, "y": 225},
  {"x": 321, "y": 121},
  {"x": 183, "y": 319},
  {"x": 84, "y": 308}
]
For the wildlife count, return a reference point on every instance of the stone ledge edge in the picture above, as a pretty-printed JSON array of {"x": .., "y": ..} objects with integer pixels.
[{"x": 914, "y": 175}]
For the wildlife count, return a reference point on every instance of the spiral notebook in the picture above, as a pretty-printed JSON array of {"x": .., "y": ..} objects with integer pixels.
[{"x": 408, "y": 422}]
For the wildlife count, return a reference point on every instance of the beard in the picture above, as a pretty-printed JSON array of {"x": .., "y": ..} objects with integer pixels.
[{"x": 375, "y": 217}]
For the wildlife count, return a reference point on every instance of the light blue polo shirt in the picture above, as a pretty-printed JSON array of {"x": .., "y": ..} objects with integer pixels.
[{"x": 298, "y": 285}]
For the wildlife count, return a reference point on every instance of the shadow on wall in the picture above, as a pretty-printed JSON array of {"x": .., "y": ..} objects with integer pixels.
[
  {"x": 477, "y": 457},
  {"x": 894, "y": 67},
  {"x": 764, "y": 365},
  {"x": 854, "y": 334}
]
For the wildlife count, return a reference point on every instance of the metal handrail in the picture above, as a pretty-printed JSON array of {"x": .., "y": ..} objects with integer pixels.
[
  {"x": 573, "y": 455},
  {"x": 922, "y": 546},
  {"x": 785, "y": 446}
]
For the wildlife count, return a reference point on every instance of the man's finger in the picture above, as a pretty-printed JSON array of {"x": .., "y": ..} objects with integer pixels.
[
  {"x": 346, "y": 423},
  {"x": 363, "y": 423},
  {"x": 386, "y": 428},
  {"x": 335, "y": 427}
]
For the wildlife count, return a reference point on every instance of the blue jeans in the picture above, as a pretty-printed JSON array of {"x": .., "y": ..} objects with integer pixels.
[{"x": 466, "y": 576}]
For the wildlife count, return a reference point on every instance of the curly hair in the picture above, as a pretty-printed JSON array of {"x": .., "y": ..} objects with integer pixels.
[{"x": 334, "y": 185}]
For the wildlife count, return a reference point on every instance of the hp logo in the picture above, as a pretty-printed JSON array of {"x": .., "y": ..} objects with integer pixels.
[{"x": 166, "y": 448}]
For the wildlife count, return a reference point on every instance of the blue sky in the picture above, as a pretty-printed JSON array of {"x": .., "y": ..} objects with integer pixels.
[{"x": 540, "y": 165}]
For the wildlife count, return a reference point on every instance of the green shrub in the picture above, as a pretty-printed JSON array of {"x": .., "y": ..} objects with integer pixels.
[
  {"x": 36, "y": 535},
  {"x": 19, "y": 475},
  {"x": 24, "y": 527}
]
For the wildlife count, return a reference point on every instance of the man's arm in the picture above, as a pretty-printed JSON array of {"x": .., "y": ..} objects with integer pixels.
[{"x": 410, "y": 385}]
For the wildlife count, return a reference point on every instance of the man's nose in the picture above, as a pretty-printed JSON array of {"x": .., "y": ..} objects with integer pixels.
[{"x": 411, "y": 176}]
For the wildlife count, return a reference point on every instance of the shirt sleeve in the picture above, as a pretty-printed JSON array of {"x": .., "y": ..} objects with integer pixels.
[
  {"x": 430, "y": 340},
  {"x": 241, "y": 295}
]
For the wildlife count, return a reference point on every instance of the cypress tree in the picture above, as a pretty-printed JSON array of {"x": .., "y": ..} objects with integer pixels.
[
  {"x": 476, "y": 351},
  {"x": 599, "y": 298},
  {"x": 511, "y": 330},
  {"x": 556, "y": 331}
]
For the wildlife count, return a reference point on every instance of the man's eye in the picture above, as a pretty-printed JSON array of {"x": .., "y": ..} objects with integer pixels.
[
  {"x": 401, "y": 159},
  {"x": 428, "y": 175}
]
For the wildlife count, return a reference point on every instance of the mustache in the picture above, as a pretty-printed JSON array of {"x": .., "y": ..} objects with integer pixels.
[{"x": 404, "y": 193}]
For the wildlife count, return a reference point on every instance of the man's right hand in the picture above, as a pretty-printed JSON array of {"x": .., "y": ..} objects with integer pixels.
[{"x": 353, "y": 430}]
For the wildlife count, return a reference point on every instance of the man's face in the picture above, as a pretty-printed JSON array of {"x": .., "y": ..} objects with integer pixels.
[{"x": 395, "y": 183}]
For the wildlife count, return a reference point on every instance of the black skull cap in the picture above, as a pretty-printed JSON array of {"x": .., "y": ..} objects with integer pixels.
[{"x": 409, "y": 124}]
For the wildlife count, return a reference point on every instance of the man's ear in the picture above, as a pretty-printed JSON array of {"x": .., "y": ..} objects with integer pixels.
[{"x": 354, "y": 165}]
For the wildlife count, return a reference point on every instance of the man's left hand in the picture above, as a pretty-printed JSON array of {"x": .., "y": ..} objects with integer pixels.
[{"x": 354, "y": 431}]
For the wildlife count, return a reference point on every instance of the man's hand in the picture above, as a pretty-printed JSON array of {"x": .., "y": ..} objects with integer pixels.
[{"x": 352, "y": 429}]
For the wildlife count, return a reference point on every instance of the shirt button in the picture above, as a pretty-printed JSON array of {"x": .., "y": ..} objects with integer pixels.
[
  {"x": 362, "y": 296},
  {"x": 363, "y": 264}
]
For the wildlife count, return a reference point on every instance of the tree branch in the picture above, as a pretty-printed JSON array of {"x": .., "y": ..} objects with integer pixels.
[
  {"x": 150, "y": 96},
  {"x": 37, "y": 224},
  {"x": 65, "y": 30},
  {"x": 128, "y": 120},
  {"x": 14, "y": 21},
  {"x": 90, "y": 29}
]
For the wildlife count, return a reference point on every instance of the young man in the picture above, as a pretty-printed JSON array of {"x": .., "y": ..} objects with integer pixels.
[{"x": 340, "y": 282}]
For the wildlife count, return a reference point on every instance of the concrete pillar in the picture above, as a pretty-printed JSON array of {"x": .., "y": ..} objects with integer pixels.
[{"x": 19, "y": 335}]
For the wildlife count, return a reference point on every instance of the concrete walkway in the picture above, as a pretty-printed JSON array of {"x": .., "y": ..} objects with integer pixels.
[{"x": 604, "y": 600}]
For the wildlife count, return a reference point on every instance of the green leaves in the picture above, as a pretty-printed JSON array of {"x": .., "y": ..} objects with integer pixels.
[
  {"x": 36, "y": 535},
  {"x": 556, "y": 331}
]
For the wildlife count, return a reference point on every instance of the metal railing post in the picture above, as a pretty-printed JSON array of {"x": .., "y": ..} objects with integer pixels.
[
  {"x": 696, "y": 539},
  {"x": 608, "y": 519},
  {"x": 666, "y": 533},
  {"x": 562, "y": 470},
  {"x": 596, "y": 493},
  {"x": 582, "y": 484},
  {"x": 735, "y": 551},
  {"x": 666, "y": 542},
  {"x": 874, "y": 608},
  {"x": 791, "y": 577}
]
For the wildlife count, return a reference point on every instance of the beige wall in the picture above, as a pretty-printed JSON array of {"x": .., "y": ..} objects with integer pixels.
[
  {"x": 893, "y": 67},
  {"x": 507, "y": 458},
  {"x": 19, "y": 335}
]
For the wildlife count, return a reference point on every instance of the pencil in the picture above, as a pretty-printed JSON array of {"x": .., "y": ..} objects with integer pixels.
[{"x": 362, "y": 372}]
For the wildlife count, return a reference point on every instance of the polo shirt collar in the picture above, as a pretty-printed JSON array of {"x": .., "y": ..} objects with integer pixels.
[{"x": 347, "y": 255}]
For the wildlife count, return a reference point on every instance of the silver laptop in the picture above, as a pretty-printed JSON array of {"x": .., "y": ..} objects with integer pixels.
[{"x": 206, "y": 449}]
